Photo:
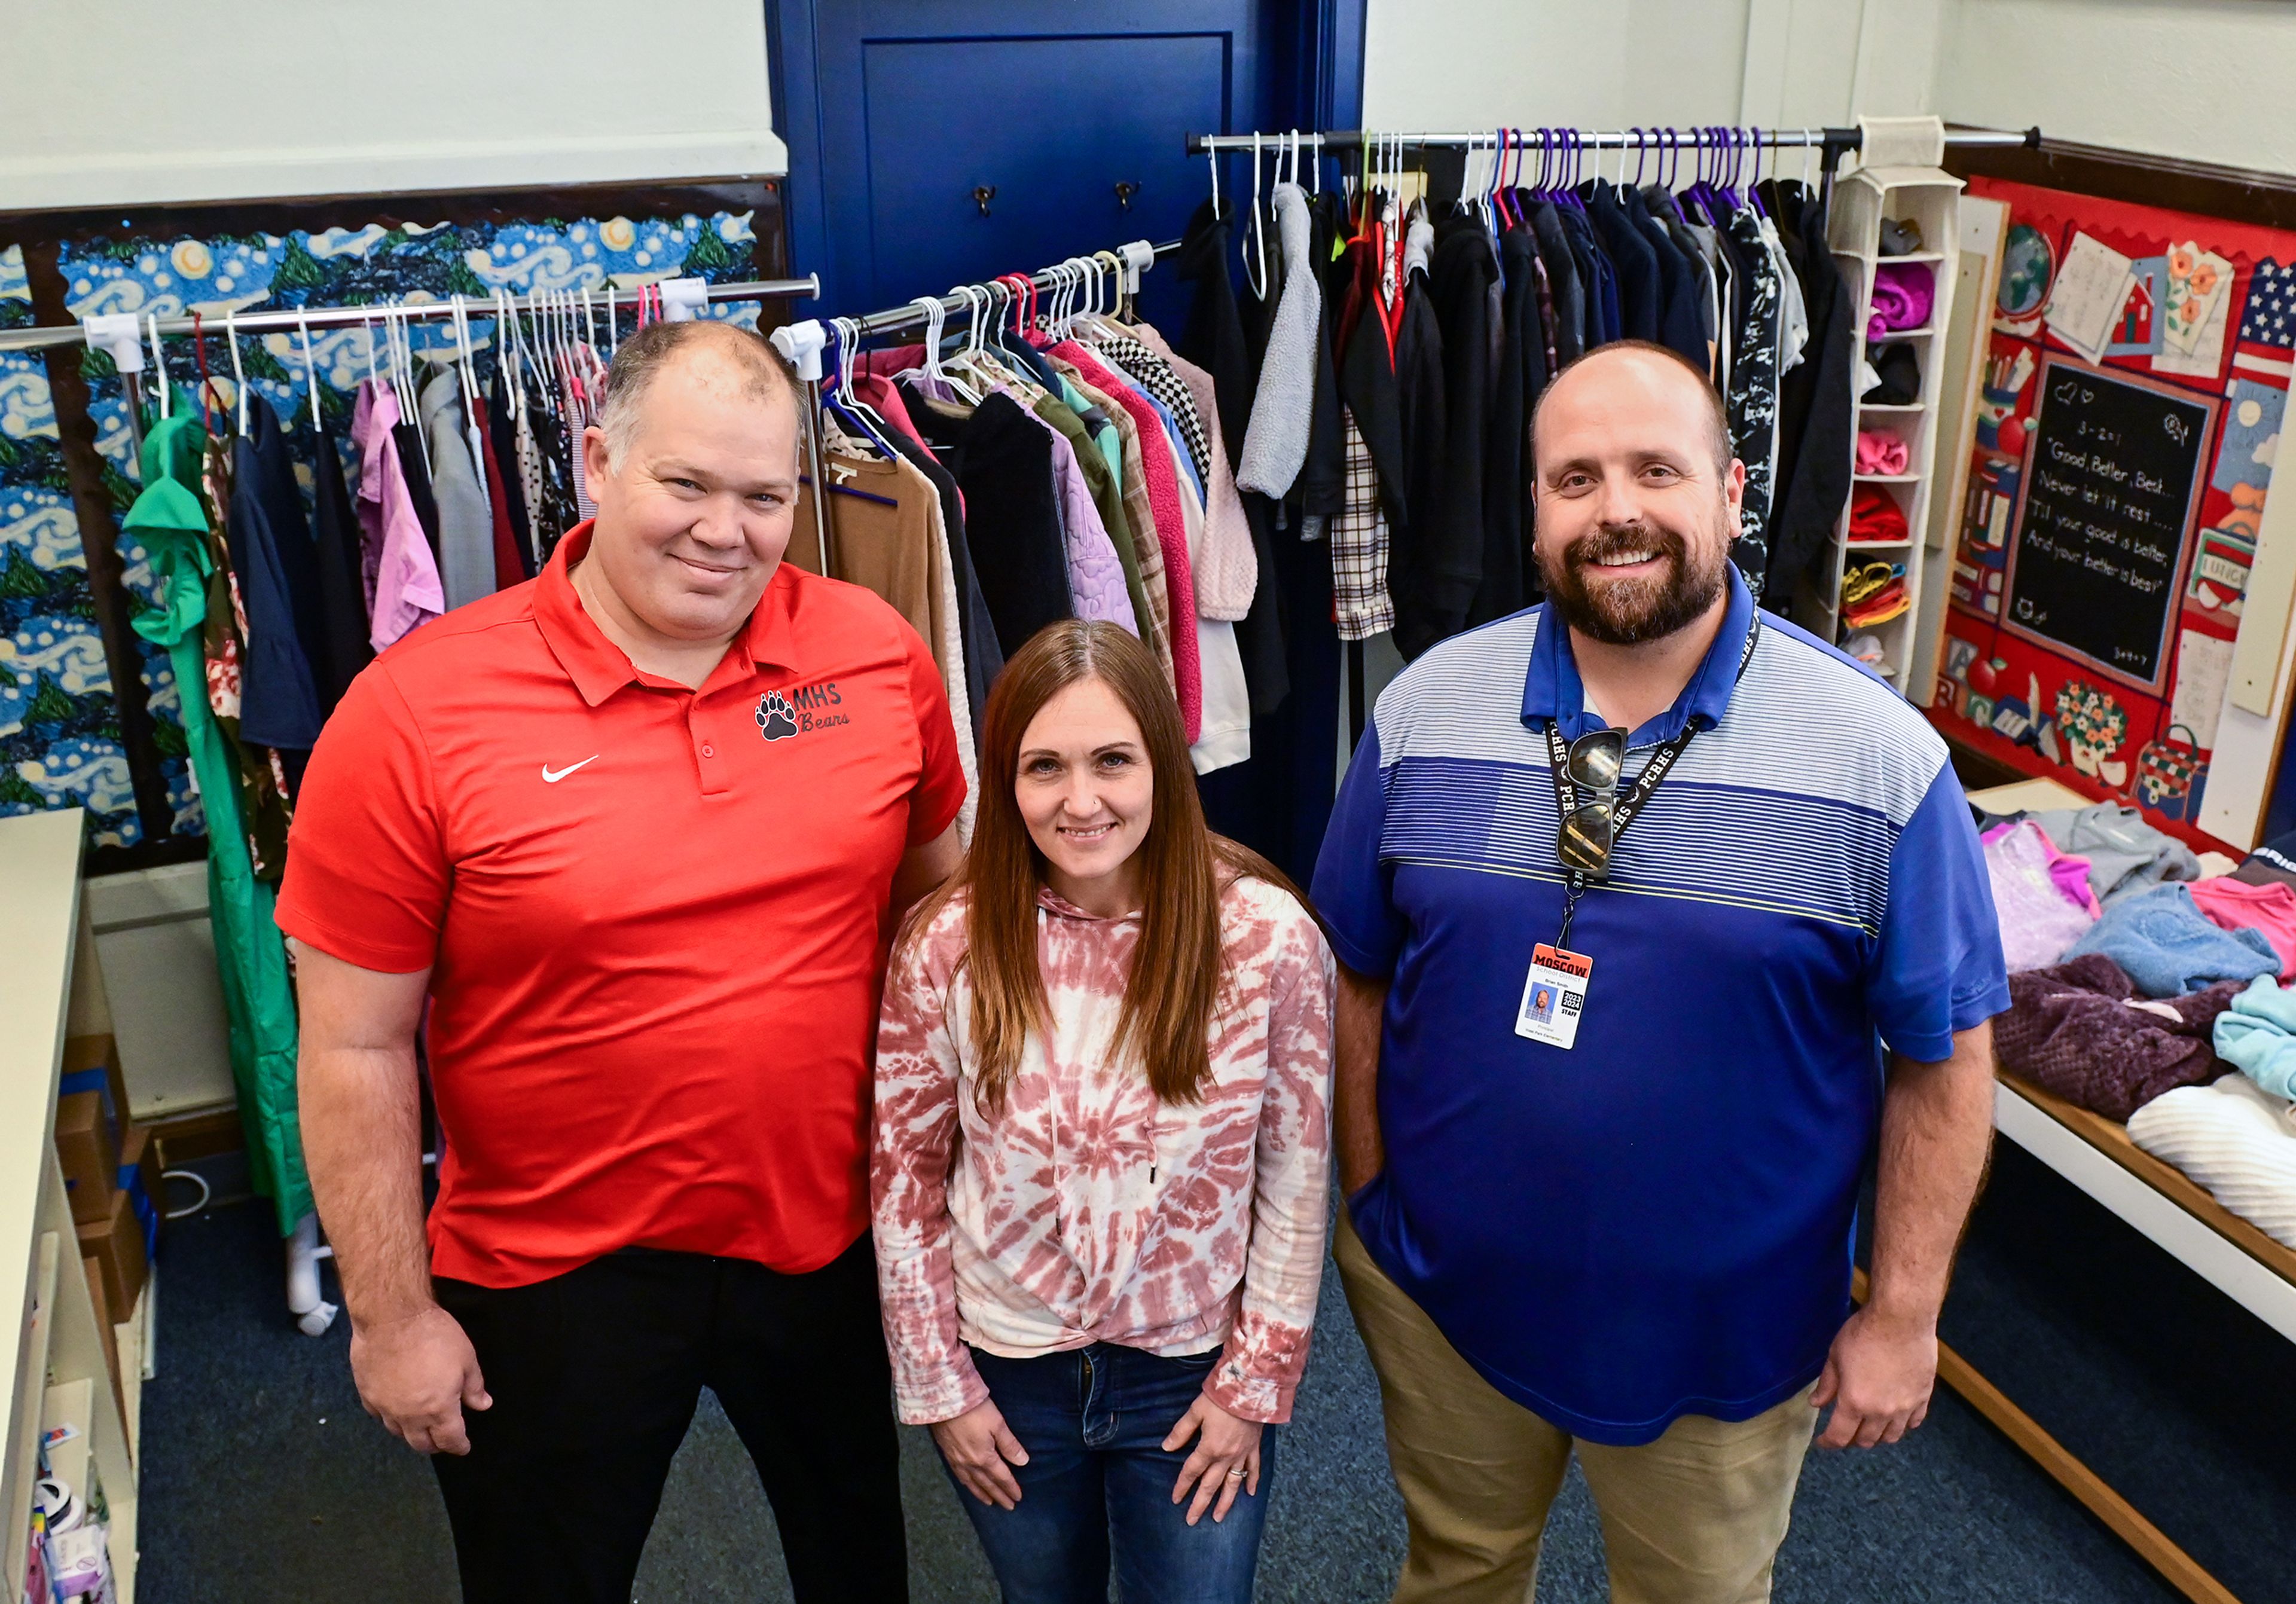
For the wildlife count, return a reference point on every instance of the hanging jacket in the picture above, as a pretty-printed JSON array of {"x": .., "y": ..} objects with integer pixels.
[
  {"x": 342, "y": 598},
  {"x": 1162, "y": 475},
  {"x": 1212, "y": 337},
  {"x": 1601, "y": 288},
  {"x": 1822, "y": 392},
  {"x": 1424, "y": 443},
  {"x": 404, "y": 590},
  {"x": 168, "y": 519},
  {"x": 1521, "y": 374},
  {"x": 278, "y": 586},
  {"x": 1682, "y": 324},
  {"x": 466, "y": 536},
  {"x": 503, "y": 436},
  {"x": 976, "y": 630},
  {"x": 1283, "y": 411},
  {"x": 1321, "y": 488},
  {"x": 1003, "y": 459},
  {"x": 1129, "y": 477},
  {"x": 1753, "y": 399},
  {"x": 1448, "y": 539},
  {"x": 1632, "y": 259},
  {"x": 1563, "y": 283}
]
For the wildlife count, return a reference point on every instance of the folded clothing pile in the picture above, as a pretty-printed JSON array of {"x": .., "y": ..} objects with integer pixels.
[
  {"x": 1881, "y": 452},
  {"x": 1874, "y": 593},
  {"x": 1892, "y": 377},
  {"x": 1875, "y": 517},
  {"x": 2257, "y": 1036},
  {"x": 2235, "y": 904},
  {"x": 2167, "y": 946},
  {"x": 2079, "y": 1030},
  {"x": 2040, "y": 895},
  {"x": 2125, "y": 854},
  {"x": 1903, "y": 294},
  {"x": 2235, "y": 1138}
]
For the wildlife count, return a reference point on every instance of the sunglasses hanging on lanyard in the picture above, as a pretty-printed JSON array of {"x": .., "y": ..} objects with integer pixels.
[{"x": 1586, "y": 835}]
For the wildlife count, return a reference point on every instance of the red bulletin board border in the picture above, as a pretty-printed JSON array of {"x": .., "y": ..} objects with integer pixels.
[
  {"x": 2042, "y": 709},
  {"x": 2164, "y": 655}
]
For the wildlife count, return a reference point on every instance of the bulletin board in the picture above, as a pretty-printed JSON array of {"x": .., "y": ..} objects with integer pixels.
[{"x": 2135, "y": 375}]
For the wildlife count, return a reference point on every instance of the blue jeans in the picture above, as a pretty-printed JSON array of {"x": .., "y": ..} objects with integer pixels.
[{"x": 1098, "y": 1485}]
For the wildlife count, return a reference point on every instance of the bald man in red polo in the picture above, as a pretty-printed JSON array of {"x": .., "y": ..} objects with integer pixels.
[{"x": 637, "y": 831}]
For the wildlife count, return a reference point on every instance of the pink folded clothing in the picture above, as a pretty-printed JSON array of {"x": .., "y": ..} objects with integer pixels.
[
  {"x": 2270, "y": 910},
  {"x": 1881, "y": 452},
  {"x": 1903, "y": 293}
]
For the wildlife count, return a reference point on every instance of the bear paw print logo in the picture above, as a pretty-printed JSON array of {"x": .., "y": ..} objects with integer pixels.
[{"x": 776, "y": 719}]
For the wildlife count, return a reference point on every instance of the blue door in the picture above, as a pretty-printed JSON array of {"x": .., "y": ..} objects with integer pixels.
[{"x": 938, "y": 142}]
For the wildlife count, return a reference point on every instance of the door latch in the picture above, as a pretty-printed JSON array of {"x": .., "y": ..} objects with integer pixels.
[{"x": 982, "y": 194}]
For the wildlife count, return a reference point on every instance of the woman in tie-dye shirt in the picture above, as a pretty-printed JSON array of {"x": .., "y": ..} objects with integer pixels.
[{"x": 1102, "y": 1152}]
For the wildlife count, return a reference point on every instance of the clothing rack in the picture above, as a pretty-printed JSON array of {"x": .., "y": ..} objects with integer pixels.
[
  {"x": 680, "y": 299},
  {"x": 802, "y": 343},
  {"x": 1711, "y": 137}
]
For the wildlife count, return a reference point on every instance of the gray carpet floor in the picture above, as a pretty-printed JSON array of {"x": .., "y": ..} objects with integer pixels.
[{"x": 263, "y": 1480}]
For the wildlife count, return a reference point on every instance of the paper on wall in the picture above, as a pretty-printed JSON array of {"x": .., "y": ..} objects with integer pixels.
[
  {"x": 2198, "y": 281},
  {"x": 2091, "y": 289},
  {"x": 2203, "y": 666},
  {"x": 2206, "y": 359}
]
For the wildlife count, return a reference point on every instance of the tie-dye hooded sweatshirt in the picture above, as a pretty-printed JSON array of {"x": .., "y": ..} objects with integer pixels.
[{"x": 1085, "y": 1210}]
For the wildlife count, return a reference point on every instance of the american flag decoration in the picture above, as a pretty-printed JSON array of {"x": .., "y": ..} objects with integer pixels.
[{"x": 2268, "y": 327}]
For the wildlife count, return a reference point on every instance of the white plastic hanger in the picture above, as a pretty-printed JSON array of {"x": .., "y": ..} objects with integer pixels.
[
  {"x": 310, "y": 369},
  {"x": 160, "y": 367},
  {"x": 238, "y": 373},
  {"x": 1255, "y": 265}
]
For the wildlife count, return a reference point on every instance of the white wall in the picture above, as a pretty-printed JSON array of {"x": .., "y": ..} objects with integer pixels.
[
  {"x": 121, "y": 102},
  {"x": 1454, "y": 64},
  {"x": 2204, "y": 79}
]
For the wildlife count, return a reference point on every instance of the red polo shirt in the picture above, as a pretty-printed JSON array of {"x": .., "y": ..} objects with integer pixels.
[{"x": 655, "y": 917}]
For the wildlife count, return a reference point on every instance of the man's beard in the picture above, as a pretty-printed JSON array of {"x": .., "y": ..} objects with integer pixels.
[{"x": 1627, "y": 612}]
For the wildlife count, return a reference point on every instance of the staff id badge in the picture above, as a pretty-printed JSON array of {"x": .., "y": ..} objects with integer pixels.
[{"x": 1553, "y": 996}]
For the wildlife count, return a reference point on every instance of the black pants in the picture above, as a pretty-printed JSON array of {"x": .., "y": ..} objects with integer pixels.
[{"x": 595, "y": 1374}]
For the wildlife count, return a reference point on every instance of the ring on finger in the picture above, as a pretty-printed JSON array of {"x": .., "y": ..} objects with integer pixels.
[{"x": 1236, "y": 1473}]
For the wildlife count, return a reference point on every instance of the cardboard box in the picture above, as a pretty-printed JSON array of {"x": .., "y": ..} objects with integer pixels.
[
  {"x": 139, "y": 1160},
  {"x": 117, "y": 1246},
  {"x": 88, "y": 1150}
]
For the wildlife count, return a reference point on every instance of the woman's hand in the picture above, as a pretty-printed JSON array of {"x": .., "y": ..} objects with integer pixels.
[
  {"x": 977, "y": 1446},
  {"x": 1226, "y": 1458}
]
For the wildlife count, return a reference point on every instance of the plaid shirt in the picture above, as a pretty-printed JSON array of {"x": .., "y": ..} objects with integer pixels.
[
  {"x": 1155, "y": 375},
  {"x": 1359, "y": 533}
]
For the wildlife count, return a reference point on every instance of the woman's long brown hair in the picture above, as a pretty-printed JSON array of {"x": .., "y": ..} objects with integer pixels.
[{"x": 1178, "y": 965}]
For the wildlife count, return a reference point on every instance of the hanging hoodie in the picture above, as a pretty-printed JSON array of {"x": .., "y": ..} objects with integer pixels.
[{"x": 1283, "y": 411}]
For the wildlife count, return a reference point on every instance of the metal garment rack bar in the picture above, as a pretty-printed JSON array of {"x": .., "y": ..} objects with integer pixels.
[
  {"x": 475, "y": 307},
  {"x": 1710, "y": 137},
  {"x": 894, "y": 320}
]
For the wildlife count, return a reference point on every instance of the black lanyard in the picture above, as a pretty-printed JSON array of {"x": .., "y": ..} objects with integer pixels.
[{"x": 1628, "y": 807}]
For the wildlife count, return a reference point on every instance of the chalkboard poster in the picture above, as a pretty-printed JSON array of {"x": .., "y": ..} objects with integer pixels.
[{"x": 2102, "y": 535}]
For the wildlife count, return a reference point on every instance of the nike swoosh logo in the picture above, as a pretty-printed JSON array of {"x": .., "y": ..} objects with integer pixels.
[{"x": 549, "y": 778}]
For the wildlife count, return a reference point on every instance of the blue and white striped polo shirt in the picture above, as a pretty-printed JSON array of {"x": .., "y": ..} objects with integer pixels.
[{"x": 1657, "y": 1221}]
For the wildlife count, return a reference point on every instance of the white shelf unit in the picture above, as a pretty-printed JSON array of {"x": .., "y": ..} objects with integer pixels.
[
  {"x": 50, "y": 987},
  {"x": 1862, "y": 201}
]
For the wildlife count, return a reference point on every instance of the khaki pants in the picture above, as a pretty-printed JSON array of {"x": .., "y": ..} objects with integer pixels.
[{"x": 1694, "y": 1517}]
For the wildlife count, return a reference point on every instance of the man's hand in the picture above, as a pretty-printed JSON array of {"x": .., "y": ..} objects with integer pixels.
[
  {"x": 416, "y": 1375},
  {"x": 1226, "y": 1459},
  {"x": 977, "y": 1446},
  {"x": 1878, "y": 1375}
]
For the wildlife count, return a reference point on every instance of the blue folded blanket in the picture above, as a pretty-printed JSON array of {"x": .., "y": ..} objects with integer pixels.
[
  {"x": 2167, "y": 947},
  {"x": 2257, "y": 1036}
]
